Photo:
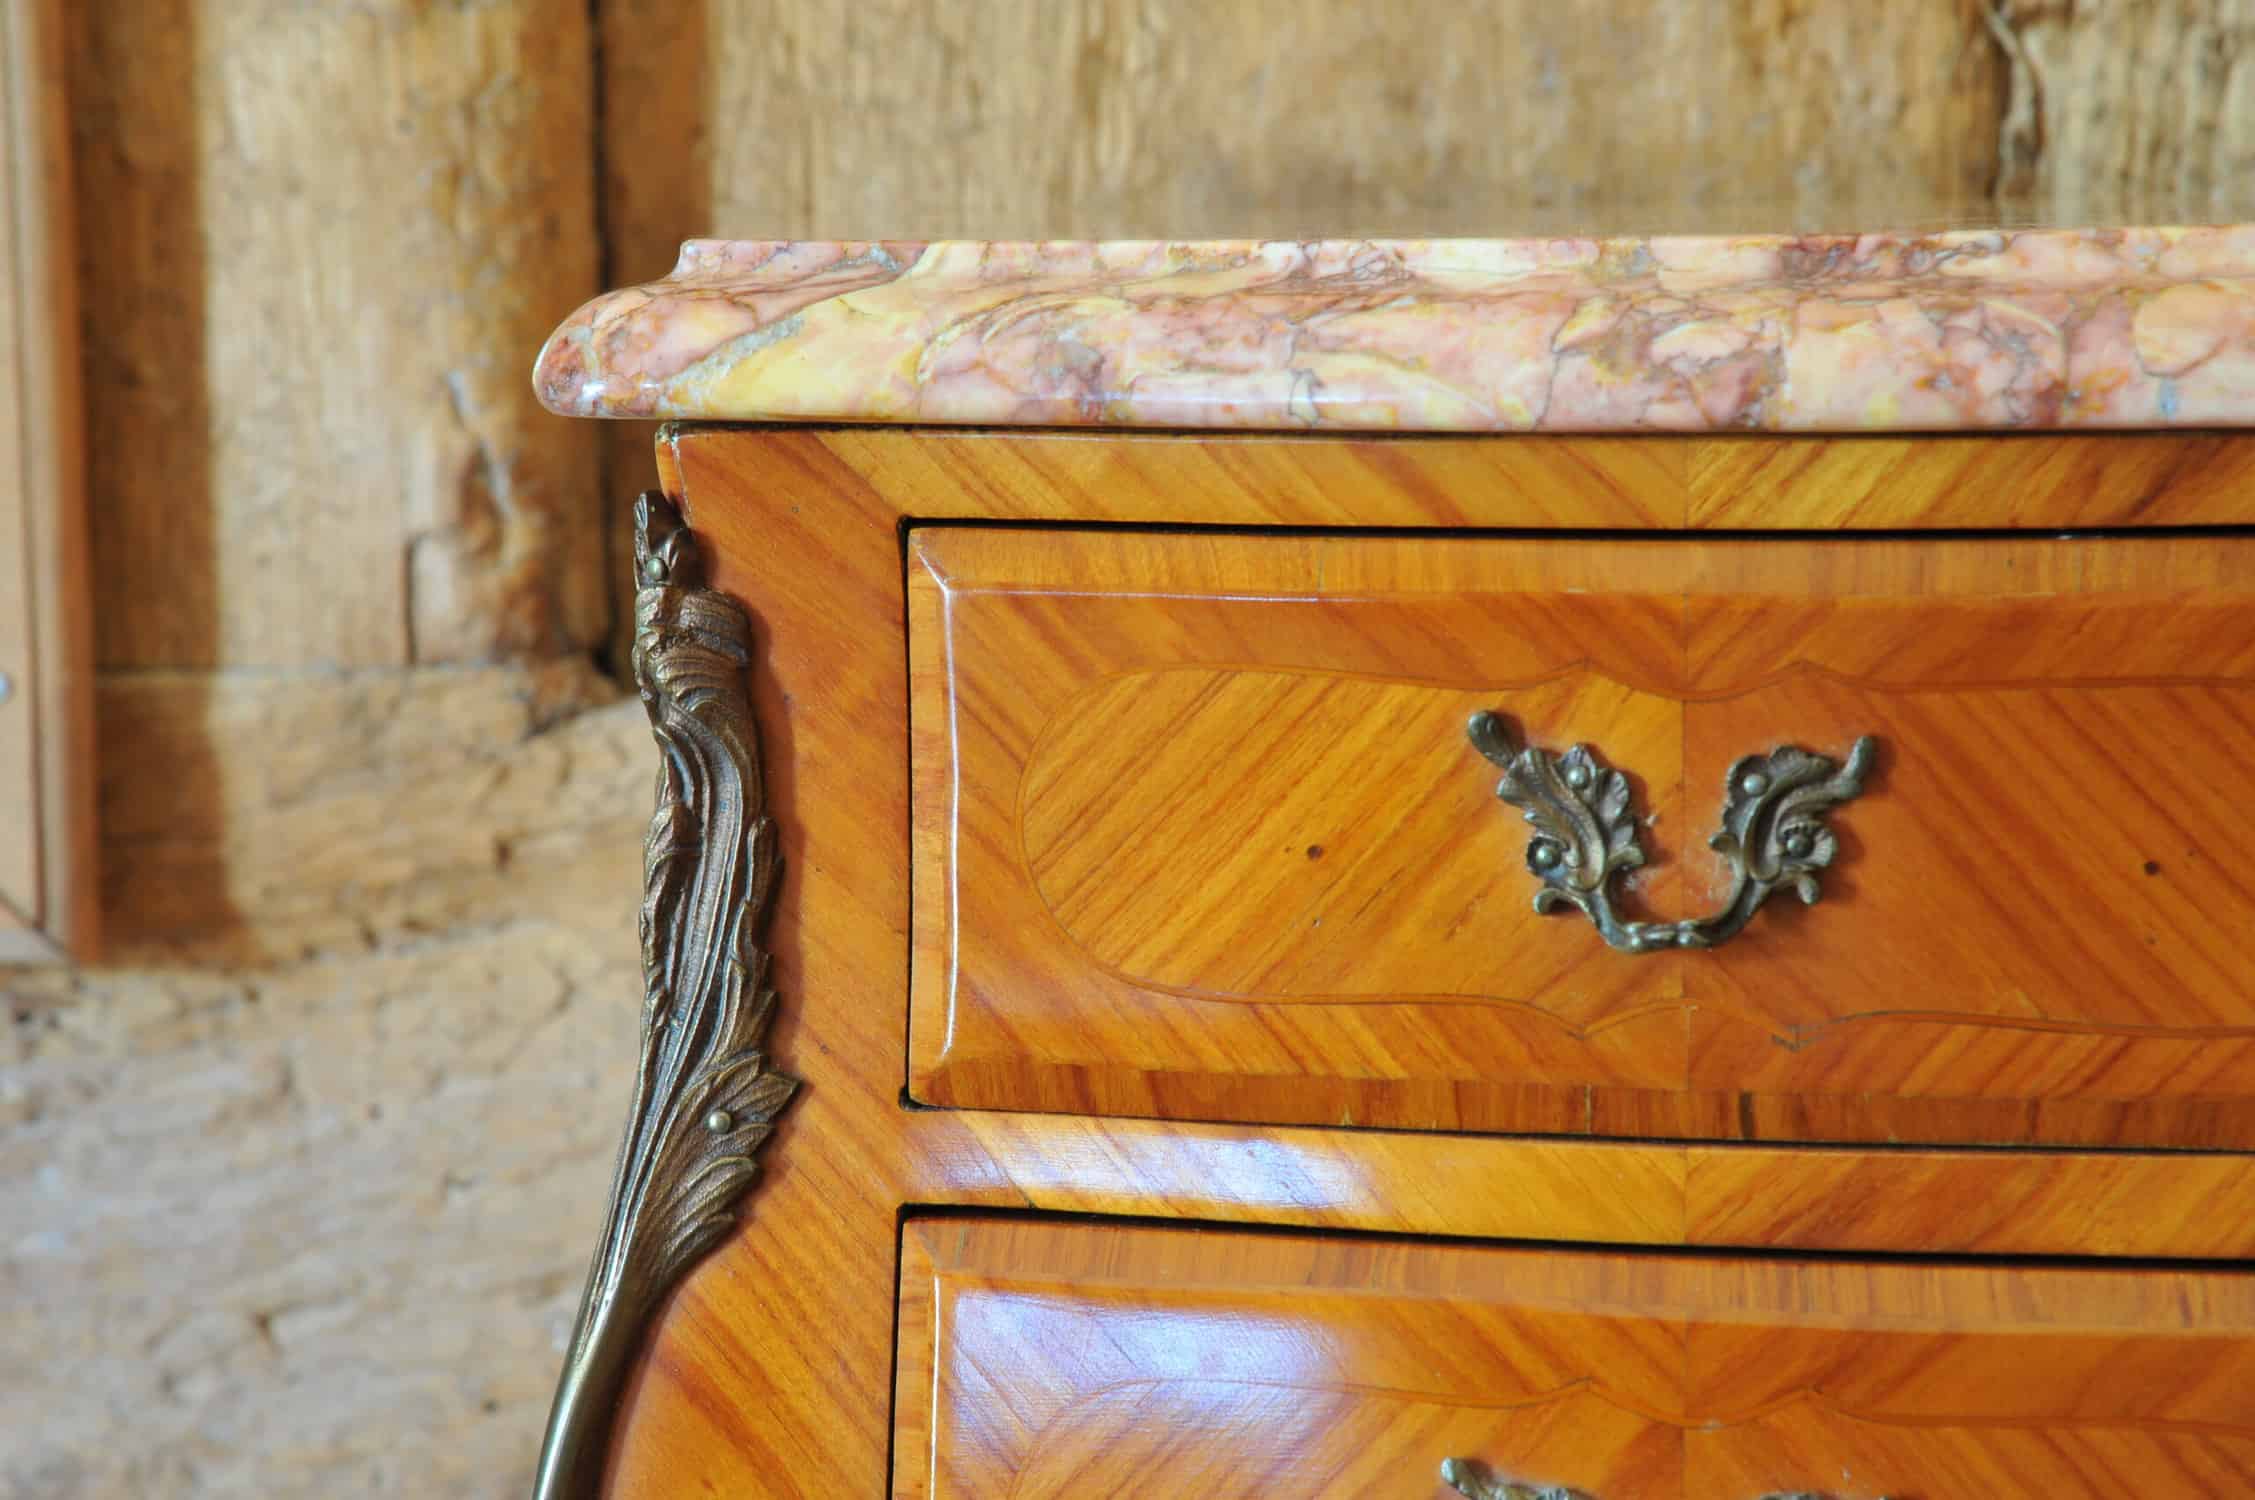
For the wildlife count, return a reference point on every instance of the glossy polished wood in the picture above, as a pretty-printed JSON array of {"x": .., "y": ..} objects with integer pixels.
[
  {"x": 1965, "y": 481},
  {"x": 770, "y": 1372},
  {"x": 1885, "y": 483},
  {"x": 1047, "y": 1359},
  {"x": 1198, "y": 834}
]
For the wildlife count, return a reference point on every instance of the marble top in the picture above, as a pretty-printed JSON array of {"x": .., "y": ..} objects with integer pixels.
[{"x": 1962, "y": 329}]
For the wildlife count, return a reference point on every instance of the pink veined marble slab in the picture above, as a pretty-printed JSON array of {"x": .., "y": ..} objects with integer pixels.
[{"x": 1965, "y": 329}]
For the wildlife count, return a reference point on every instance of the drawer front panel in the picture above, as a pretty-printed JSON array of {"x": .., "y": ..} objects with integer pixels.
[
  {"x": 1199, "y": 833},
  {"x": 1051, "y": 1359}
]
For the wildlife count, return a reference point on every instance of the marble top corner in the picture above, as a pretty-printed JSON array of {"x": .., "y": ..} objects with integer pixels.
[{"x": 1959, "y": 330}]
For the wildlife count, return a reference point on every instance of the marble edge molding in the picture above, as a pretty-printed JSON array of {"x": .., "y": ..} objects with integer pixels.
[{"x": 1957, "y": 330}]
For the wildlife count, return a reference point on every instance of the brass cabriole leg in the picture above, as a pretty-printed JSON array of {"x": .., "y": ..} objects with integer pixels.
[{"x": 705, "y": 1094}]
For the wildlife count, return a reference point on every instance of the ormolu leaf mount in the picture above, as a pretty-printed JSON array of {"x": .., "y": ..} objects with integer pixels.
[
  {"x": 1773, "y": 831},
  {"x": 706, "y": 1094}
]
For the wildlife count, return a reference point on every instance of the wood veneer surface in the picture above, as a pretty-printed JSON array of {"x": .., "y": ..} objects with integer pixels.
[
  {"x": 1200, "y": 835},
  {"x": 1719, "y": 483},
  {"x": 1046, "y": 1359},
  {"x": 769, "y": 1373}
]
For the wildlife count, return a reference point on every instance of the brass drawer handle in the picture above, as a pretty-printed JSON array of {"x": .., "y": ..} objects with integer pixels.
[
  {"x": 1773, "y": 830},
  {"x": 1476, "y": 1481}
]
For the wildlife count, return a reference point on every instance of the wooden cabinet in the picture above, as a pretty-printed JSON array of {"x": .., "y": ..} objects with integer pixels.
[
  {"x": 1092, "y": 889},
  {"x": 931, "y": 701}
]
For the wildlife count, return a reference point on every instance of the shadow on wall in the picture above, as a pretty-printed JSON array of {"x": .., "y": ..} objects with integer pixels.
[{"x": 654, "y": 150}]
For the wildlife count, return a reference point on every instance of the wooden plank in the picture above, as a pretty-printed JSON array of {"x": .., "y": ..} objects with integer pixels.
[
  {"x": 20, "y": 886},
  {"x": 332, "y": 237},
  {"x": 47, "y": 856},
  {"x": 1106, "y": 117},
  {"x": 655, "y": 160},
  {"x": 2134, "y": 112}
]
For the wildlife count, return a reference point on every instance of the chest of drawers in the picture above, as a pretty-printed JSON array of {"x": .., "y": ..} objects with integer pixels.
[{"x": 1285, "y": 793}]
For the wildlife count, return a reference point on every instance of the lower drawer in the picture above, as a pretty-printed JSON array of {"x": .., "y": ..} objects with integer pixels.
[{"x": 1042, "y": 1358}]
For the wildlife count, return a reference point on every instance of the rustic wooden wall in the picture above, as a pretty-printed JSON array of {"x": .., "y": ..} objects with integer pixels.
[{"x": 298, "y": 1183}]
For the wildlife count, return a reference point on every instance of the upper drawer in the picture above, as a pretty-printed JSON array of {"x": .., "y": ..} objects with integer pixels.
[
  {"x": 1200, "y": 833},
  {"x": 1044, "y": 1360}
]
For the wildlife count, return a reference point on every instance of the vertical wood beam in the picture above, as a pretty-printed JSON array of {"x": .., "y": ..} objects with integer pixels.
[{"x": 322, "y": 244}]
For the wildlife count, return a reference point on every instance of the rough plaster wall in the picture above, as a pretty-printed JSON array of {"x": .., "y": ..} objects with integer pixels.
[
  {"x": 296, "y": 1187},
  {"x": 296, "y": 1200}
]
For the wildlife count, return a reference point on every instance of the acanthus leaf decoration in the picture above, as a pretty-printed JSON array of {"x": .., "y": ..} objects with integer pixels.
[
  {"x": 1586, "y": 832},
  {"x": 706, "y": 1094}
]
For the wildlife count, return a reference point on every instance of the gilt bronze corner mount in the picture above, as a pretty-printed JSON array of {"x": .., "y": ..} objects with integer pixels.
[{"x": 706, "y": 1095}]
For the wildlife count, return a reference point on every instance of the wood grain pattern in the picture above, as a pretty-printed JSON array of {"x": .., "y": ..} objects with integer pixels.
[
  {"x": 770, "y": 1372},
  {"x": 47, "y": 893},
  {"x": 1167, "y": 118},
  {"x": 1212, "y": 845},
  {"x": 2123, "y": 104},
  {"x": 1042, "y": 1359},
  {"x": 1995, "y": 481},
  {"x": 329, "y": 235},
  {"x": 1881, "y": 483},
  {"x": 1169, "y": 887},
  {"x": 1967, "y": 1202}
]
